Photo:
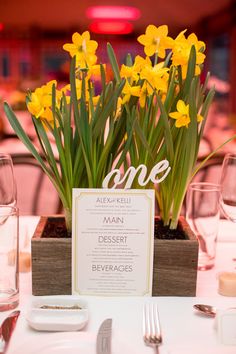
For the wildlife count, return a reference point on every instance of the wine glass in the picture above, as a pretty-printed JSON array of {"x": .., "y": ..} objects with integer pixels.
[
  {"x": 7, "y": 181},
  {"x": 228, "y": 187},
  {"x": 202, "y": 213}
]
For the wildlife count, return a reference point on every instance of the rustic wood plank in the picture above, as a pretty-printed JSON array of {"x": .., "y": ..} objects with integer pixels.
[{"x": 174, "y": 269}]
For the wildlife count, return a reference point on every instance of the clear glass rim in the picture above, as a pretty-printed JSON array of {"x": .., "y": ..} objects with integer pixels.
[
  {"x": 4, "y": 155},
  {"x": 230, "y": 155},
  {"x": 5, "y": 159},
  {"x": 204, "y": 186}
]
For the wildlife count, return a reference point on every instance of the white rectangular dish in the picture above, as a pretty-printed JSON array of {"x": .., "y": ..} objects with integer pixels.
[{"x": 58, "y": 313}]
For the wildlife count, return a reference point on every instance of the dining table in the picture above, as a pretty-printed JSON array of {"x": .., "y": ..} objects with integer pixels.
[{"x": 184, "y": 330}]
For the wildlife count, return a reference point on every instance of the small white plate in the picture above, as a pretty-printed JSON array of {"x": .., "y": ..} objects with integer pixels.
[{"x": 56, "y": 313}]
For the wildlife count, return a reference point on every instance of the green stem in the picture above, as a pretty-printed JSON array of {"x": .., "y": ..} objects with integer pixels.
[{"x": 68, "y": 219}]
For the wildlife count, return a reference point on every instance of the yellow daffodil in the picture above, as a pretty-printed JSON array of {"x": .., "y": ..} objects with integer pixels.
[
  {"x": 129, "y": 72},
  {"x": 118, "y": 108},
  {"x": 96, "y": 99},
  {"x": 181, "y": 52},
  {"x": 199, "y": 118},
  {"x": 129, "y": 91},
  {"x": 200, "y": 45},
  {"x": 35, "y": 106},
  {"x": 156, "y": 40},
  {"x": 133, "y": 72},
  {"x": 95, "y": 71},
  {"x": 181, "y": 115},
  {"x": 156, "y": 76},
  {"x": 141, "y": 62},
  {"x": 78, "y": 84},
  {"x": 83, "y": 48},
  {"x": 40, "y": 99},
  {"x": 48, "y": 116},
  {"x": 146, "y": 90}
]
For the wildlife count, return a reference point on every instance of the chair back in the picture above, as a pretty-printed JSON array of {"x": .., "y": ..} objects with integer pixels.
[{"x": 36, "y": 194}]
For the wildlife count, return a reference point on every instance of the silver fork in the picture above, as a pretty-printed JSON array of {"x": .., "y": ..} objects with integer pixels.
[{"x": 151, "y": 326}]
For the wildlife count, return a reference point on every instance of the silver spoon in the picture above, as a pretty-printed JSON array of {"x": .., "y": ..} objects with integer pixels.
[{"x": 207, "y": 310}]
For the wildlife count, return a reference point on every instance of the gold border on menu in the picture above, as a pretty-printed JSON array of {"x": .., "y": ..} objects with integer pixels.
[{"x": 149, "y": 280}]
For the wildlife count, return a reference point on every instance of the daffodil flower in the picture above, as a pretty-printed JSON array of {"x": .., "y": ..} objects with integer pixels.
[
  {"x": 95, "y": 71},
  {"x": 141, "y": 63},
  {"x": 35, "y": 106},
  {"x": 156, "y": 40},
  {"x": 181, "y": 52},
  {"x": 48, "y": 116},
  {"x": 156, "y": 76},
  {"x": 129, "y": 91},
  {"x": 199, "y": 118},
  {"x": 133, "y": 72},
  {"x": 181, "y": 115},
  {"x": 40, "y": 99},
  {"x": 78, "y": 86},
  {"x": 146, "y": 91},
  {"x": 129, "y": 72},
  {"x": 83, "y": 48}
]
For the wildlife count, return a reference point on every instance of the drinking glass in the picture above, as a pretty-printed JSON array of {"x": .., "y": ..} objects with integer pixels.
[
  {"x": 228, "y": 187},
  {"x": 9, "y": 257},
  {"x": 7, "y": 181},
  {"x": 202, "y": 214}
]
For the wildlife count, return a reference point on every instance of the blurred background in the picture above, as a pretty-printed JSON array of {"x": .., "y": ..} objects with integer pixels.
[{"x": 32, "y": 34}]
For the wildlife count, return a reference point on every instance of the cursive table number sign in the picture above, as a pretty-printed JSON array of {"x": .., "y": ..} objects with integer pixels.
[{"x": 141, "y": 171}]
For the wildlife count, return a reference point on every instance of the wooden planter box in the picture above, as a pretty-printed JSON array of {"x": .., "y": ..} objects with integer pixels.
[{"x": 174, "y": 269}]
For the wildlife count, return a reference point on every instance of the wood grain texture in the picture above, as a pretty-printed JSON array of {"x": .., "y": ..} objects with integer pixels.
[
  {"x": 174, "y": 268},
  {"x": 175, "y": 265},
  {"x": 51, "y": 260}
]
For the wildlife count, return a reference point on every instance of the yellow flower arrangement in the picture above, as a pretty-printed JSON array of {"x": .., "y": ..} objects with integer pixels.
[{"x": 155, "y": 108}]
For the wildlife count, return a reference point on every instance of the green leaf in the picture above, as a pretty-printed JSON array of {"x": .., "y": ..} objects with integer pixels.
[
  {"x": 190, "y": 71},
  {"x": 113, "y": 61},
  {"x": 16, "y": 126},
  {"x": 167, "y": 131}
]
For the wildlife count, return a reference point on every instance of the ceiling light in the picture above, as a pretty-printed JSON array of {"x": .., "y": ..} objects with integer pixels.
[
  {"x": 113, "y": 12},
  {"x": 111, "y": 27}
]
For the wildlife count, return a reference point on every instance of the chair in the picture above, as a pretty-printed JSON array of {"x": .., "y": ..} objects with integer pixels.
[{"x": 36, "y": 194}]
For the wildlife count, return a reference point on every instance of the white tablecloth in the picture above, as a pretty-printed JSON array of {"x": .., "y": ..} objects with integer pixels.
[{"x": 184, "y": 331}]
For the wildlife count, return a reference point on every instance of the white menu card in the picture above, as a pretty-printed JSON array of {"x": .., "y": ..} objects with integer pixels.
[{"x": 112, "y": 242}]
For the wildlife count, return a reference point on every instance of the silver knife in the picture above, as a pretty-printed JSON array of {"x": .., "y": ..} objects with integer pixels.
[
  {"x": 104, "y": 337},
  {"x": 6, "y": 330}
]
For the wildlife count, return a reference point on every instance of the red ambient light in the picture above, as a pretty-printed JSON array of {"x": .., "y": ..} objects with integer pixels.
[
  {"x": 113, "y": 12},
  {"x": 1, "y": 27},
  {"x": 111, "y": 27}
]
